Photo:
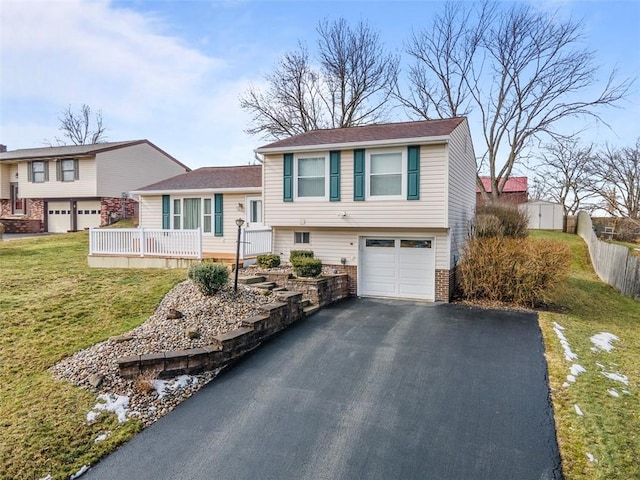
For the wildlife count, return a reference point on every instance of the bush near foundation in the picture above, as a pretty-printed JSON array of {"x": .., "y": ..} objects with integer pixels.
[
  {"x": 209, "y": 277},
  {"x": 499, "y": 219},
  {"x": 512, "y": 270},
  {"x": 269, "y": 260},
  {"x": 295, "y": 254},
  {"x": 306, "y": 267}
]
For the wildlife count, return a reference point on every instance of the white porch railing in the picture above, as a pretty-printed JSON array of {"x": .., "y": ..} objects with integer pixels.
[
  {"x": 255, "y": 242},
  {"x": 145, "y": 242}
]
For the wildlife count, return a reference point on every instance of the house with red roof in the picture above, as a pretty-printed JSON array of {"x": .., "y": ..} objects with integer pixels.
[{"x": 515, "y": 190}]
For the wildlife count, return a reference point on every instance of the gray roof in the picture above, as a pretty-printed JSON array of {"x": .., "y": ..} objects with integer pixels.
[
  {"x": 208, "y": 178},
  {"x": 73, "y": 150}
]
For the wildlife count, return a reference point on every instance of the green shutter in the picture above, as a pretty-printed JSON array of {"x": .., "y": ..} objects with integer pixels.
[
  {"x": 334, "y": 176},
  {"x": 287, "y": 191},
  {"x": 166, "y": 206},
  {"x": 358, "y": 175},
  {"x": 413, "y": 173},
  {"x": 217, "y": 211}
]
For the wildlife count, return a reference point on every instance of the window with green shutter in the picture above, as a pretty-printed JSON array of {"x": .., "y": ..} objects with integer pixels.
[
  {"x": 287, "y": 181},
  {"x": 413, "y": 172},
  {"x": 334, "y": 176},
  {"x": 358, "y": 175},
  {"x": 217, "y": 214}
]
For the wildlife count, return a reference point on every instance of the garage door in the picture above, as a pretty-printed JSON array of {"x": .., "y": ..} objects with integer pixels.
[
  {"x": 59, "y": 217},
  {"x": 88, "y": 214},
  {"x": 400, "y": 267}
]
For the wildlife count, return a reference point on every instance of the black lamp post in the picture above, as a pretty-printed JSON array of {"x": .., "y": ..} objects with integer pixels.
[{"x": 239, "y": 223}]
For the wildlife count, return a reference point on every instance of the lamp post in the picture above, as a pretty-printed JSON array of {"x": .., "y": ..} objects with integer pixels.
[{"x": 239, "y": 223}]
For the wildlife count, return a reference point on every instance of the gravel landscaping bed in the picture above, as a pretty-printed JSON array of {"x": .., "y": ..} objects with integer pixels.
[{"x": 96, "y": 369}]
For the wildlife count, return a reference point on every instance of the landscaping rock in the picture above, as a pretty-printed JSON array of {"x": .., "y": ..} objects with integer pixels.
[
  {"x": 174, "y": 314},
  {"x": 193, "y": 332},
  {"x": 95, "y": 380}
]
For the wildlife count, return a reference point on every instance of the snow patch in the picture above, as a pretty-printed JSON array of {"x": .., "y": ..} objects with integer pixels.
[
  {"x": 591, "y": 457},
  {"x": 565, "y": 384},
  {"x": 79, "y": 472},
  {"x": 577, "y": 369},
  {"x": 578, "y": 411},
  {"x": 48, "y": 477},
  {"x": 165, "y": 387},
  {"x": 102, "y": 438},
  {"x": 568, "y": 354},
  {"x": 602, "y": 341},
  {"x": 618, "y": 377},
  {"x": 613, "y": 393},
  {"x": 571, "y": 379},
  {"x": 117, "y": 404}
]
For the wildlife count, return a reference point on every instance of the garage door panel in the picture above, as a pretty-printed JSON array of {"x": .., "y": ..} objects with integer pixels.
[
  {"x": 58, "y": 217},
  {"x": 88, "y": 214}
]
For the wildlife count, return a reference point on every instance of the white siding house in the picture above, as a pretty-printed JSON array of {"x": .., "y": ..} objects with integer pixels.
[{"x": 388, "y": 203}]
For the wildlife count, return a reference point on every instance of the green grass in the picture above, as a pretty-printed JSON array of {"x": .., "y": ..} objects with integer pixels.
[
  {"x": 610, "y": 427},
  {"x": 52, "y": 305}
]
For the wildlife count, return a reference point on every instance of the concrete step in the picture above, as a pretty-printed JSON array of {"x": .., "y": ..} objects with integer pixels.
[
  {"x": 264, "y": 285},
  {"x": 280, "y": 289},
  {"x": 310, "y": 310},
  {"x": 250, "y": 279}
]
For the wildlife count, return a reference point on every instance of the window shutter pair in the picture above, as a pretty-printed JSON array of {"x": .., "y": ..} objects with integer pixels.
[
  {"x": 413, "y": 174},
  {"x": 334, "y": 177}
]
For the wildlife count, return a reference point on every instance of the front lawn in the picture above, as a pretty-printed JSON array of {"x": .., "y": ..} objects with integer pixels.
[
  {"x": 603, "y": 442},
  {"x": 52, "y": 305}
]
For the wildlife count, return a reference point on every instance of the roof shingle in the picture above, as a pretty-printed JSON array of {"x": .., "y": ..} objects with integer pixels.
[
  {"x": 369, "y": 133},
  {"x": 205, "y": 178}
]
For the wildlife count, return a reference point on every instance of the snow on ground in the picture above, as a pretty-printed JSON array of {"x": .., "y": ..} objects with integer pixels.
[
  {"x": 613, "y": 392},
  {"x": 618, "y": 377},
  {"x": 48, "y": 477},
  {"x": 164, "y": 387},
  {"x": 578, "y": 410},
  {"x": 602, "y": 341},
  {"x": 117, "y": 404},
  {"x": 79, "y": 472},
  {"x": 591, "y": 457},
  {"x": 568, "y": 354},
  {"x": 102, "y": 438}
]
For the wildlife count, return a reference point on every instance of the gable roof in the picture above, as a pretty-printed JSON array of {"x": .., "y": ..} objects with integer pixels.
[
  {"x": 367, "y": 134},
  {"x": 512, "y": 185},
  {"x": 73, "y": 150},
  {"x": 211, "y": 178}
]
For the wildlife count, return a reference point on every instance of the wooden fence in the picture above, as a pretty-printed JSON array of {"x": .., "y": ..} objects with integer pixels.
[{"x": 613, "y": 263}]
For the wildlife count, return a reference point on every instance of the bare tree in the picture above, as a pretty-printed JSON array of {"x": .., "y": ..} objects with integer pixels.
[
  {"x": 520, "y": 69},
  {"x": 77, "y": 129},
  {"x": 563, "y": 174},
  {"x": 617, "y": 174},
  {"x": 351, "y": 85}
]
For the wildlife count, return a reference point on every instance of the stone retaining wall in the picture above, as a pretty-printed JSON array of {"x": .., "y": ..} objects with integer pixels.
[
  {"x": 225, "y": 348},
  {"x": 21, "y": 225},
  {"x": 320, "y": 291}
]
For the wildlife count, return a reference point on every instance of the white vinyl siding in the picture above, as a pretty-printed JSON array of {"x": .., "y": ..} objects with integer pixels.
[
  {"x": 7, "y": 175},
  {"x": 125, "y": 169},
  {"x": 150, "y": 212},
  {"x": 85, "y": 186},
  {"x": 331, "y": 245},
  {"x": 428, "y": 212},
  {"x": 461, "y": 193}
]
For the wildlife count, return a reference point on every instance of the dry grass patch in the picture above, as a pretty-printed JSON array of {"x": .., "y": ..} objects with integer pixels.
[
  {"x": 609, "y": 430},
  {"x": 52, "y": 305}
]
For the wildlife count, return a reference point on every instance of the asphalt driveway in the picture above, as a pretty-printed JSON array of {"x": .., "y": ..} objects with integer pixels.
[{"x": 366, "y": 389}]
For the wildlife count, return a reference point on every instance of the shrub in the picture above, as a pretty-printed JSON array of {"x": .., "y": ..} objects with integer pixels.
[
  {"x": 268, "y": 260},
  {"x": 307, "y": 267},
  {"x": 294, "y": 254},
  {"x": 209, "y": 277},
  {"x": 519, "y": 271},
  {"x": 500, "y": 219}
]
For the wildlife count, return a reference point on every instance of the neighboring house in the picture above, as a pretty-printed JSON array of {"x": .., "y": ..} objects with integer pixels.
[
  {"x": 544, "y": 215},
  {"x": 390, "y": 204},
  {"x": 515, "y": 190},
  {"x": 68, "y": 188}
]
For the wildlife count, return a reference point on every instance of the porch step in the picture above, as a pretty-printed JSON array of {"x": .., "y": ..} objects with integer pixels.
[
  {"x": 279, "y": 289},
  {"x": 250, "y": 280},
  {"x": 264, "y": 285},
  {"x": 310, "y": 309}
]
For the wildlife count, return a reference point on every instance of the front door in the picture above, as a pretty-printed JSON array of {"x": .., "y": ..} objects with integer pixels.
[
  {"x": 17, "y": 203},
  {"x": 254, "y": 212}
]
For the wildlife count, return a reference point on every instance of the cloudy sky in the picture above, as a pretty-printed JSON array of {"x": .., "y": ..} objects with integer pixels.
[{"x": 172, "y": 71}]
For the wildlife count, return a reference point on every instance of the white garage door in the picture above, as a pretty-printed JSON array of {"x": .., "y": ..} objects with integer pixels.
[
  {"x": 88, "y": 214},
  {"x": 59, "y": 217},
  {"x": 397, "y": 267}
]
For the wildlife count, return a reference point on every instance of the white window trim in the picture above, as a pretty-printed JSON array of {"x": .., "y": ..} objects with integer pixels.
[
  {"x": 247, "y": 207},
  {"x": 403, "y": 181},
  {"x": 202, "y": 214},
  {"x": 298, "y": 156}
]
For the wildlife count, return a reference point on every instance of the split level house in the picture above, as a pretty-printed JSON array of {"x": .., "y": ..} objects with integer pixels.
[
  {"x": 69, "y": 188},
  {"x": 388, "y": 204}
]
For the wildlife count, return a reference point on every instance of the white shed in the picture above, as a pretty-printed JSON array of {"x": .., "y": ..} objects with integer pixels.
[{"x": 544, "y": 215}]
